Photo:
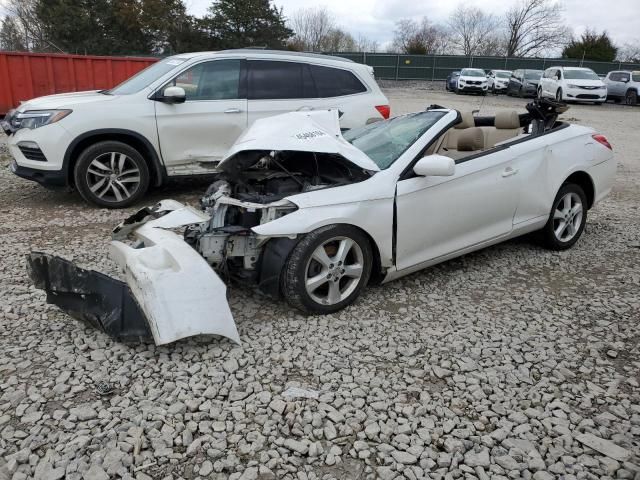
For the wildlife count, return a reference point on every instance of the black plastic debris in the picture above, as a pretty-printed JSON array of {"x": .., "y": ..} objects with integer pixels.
[{"x": 89, "y": 296}]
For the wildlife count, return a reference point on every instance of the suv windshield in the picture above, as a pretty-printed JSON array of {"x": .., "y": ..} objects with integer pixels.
[
  {"x": 146, "y": 77},
  {"x": 533, "y": 74},
  {"x": 385, "y": 141},
  {"x": 503, "y": 74},
  {"x": 580, "y": 75},
  {"x": 472, "y": 72}
]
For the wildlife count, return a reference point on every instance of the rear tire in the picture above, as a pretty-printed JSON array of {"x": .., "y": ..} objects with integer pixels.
[
  {"x": 631, "y": 98},
  {"x": 111, "y": 174},
  {"x": 567, "y": 219},
  {"x": 327, "y": 269}
]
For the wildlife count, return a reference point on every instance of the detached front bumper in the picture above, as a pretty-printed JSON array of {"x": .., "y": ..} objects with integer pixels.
[{"x": 170, "y": 293}]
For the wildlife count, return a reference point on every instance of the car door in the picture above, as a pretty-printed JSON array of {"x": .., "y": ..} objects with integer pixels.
[
  {"x": 438, "y": 216},
  {"x": 196, "y": 134},
  {"x": 275, "y": 87}
]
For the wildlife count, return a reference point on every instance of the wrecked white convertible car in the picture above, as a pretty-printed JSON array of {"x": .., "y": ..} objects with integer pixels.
[{"x": 311, "y": 215}]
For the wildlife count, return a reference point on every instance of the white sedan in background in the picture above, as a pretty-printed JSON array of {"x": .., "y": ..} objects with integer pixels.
[
  {"x": 498, "y": 80},
  {"x": 312, "y": 215}
]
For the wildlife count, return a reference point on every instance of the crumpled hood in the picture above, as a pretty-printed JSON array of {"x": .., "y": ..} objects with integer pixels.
[
  {"x": 316, "y": 131},
  {"x": 64, "y": 100}
]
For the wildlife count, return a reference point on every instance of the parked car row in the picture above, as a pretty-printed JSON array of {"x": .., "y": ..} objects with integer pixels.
[
  {"x": 565, "y": 84},
  {"x": 177, "y": 118}
]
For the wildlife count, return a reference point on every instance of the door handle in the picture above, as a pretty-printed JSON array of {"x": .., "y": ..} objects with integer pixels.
[
  {"x": 232, "y": 110},
  {"x": 507, "y": 172},
  {"x": 305, "y": 108}
]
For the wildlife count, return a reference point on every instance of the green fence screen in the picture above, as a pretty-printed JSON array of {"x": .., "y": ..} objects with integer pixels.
[{"x": 391, "y": 66}]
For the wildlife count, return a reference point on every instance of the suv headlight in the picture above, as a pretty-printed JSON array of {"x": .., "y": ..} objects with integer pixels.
[
  {"x": 37, "y": 118},
  {"x": 571, "y": 85}
]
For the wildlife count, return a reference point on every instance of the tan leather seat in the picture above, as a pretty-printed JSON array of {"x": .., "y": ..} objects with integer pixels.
[
  {"x": 470, "y": 142},
  {"x": 450, "y": 139},
  {"x": 507, "y": 126}
]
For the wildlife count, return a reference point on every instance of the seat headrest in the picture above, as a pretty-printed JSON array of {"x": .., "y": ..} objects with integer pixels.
[
  {"x": 507, "y": 119},
  {"x": 466, "y": 120},
  {"x": 470, "y": 140}
]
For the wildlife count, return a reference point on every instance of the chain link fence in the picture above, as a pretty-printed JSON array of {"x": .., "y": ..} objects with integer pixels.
[{"x": 391, "y": 66}]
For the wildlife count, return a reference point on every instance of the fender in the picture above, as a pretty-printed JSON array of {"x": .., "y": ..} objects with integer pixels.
[
  {"x": 364, "y": 215},
  {"x": 159, "y": 172}
]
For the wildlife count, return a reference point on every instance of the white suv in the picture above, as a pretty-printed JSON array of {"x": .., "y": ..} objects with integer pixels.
[
  {"x": 472, "y": 80},
  {"x": 177, "y": 118},
  {"x": 572, "y": 84}
]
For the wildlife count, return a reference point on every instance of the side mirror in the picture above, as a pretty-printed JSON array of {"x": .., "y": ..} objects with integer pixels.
[
  {"x": 174, "y": 95},
  {"x": 435, "y": 166}
]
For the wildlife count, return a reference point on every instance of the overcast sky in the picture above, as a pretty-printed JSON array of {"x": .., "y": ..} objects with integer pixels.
[{"x": 375, "y": 18}]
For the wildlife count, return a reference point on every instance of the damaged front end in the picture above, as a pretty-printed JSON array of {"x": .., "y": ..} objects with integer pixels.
[{"x": 173, "y": 256}]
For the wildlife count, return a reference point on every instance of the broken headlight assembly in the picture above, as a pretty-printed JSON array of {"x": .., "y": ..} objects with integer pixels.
[{"x": 37, "y": 118}]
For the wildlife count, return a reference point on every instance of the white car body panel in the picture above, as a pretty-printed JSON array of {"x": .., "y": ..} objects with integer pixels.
[{"x": 171, "y": 282}]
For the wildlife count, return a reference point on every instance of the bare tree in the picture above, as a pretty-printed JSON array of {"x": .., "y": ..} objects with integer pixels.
[
  {"x": 364, "y": 44},
  {"x": 311, "y": 27},
  {"x": 415, "y": 37},
  {"x": 629, "y": 52},
  {"x": 473, "y": 31},
  {"x": 11, "y": 36},
  {"x": 25, "y": 17},
  {"x": 533, "y": 27},
  {"x": 337, "y": 40}
]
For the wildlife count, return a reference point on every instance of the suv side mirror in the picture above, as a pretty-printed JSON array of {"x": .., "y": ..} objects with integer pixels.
[
  {"x": 174, "y": 95},
  {"x": 435, "y": 166}
]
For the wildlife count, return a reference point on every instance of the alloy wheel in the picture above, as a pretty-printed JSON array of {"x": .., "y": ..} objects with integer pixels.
[
  {"x": 113, "y": 176},
  {"x": 567, "y": 217},
  {"x": 334, "y": 270}
]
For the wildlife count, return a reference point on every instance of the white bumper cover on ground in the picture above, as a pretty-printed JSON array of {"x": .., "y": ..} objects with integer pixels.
[{"x": 175, "y": 287}]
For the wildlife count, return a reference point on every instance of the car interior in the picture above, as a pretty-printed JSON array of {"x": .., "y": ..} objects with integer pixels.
[{"x": 473, "y": 135}]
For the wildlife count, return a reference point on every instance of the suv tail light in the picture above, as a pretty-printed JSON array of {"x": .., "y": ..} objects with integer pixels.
[
  {"x": 385, "y": 111},
  {"x": 601, "y": 139}
]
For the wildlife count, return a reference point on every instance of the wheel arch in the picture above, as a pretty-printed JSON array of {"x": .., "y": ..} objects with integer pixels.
[
  {"x": 129, "y": 137},
  {"x": 584, "y": 181}
]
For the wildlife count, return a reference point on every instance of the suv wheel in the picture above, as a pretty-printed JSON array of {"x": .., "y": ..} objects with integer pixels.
[
  {"x": 631, "y": 98},
  {"x": 111, "y": 174},
  {"x": 559, "y": 95}
]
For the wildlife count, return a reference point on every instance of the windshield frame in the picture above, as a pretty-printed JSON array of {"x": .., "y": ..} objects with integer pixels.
[
  {"x": 174, "y": 62},
  {"x": 379, "y": 128}
]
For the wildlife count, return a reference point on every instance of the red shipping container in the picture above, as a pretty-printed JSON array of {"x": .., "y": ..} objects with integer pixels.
[{"x": 24, "y": 76}]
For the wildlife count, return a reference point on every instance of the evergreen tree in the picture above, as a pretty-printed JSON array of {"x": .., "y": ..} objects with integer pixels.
[
  {"x": 592, "y": 46},
  {"x": 246, "y": 23}
]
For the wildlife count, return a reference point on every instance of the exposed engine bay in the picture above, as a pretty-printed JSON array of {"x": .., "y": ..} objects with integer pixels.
[{"x": 252, "y": 191}]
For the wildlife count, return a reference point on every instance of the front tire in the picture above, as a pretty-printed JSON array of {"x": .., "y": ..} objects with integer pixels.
[
  {"x": 631, "y": 98},
  {"x": 559, "y": 95},
  {"x": 327, "y": 269},
  {"x": 111, "y": 174},
  {"x": 567, "y": 219}
]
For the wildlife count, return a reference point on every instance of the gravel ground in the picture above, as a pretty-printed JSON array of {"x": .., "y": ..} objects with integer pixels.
[{"x": 512, "y": 362}]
